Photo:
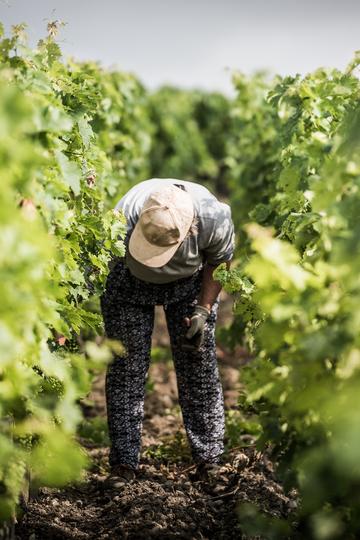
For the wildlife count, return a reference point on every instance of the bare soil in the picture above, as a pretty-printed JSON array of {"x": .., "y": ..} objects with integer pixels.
[{"x": 162, "y": 502}]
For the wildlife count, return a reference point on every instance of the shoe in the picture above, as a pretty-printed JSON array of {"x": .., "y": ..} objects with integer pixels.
[
  {"x": 207, "y": 472},
  {"x": 119, "y": 475}
]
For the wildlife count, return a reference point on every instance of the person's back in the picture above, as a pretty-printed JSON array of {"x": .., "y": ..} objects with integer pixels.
[{"x": 212, "y": 243}]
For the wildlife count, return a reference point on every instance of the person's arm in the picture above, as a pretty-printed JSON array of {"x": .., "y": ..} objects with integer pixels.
[
  {"x": 218, "y": 248},
  {"x": 210, "y": 290}
]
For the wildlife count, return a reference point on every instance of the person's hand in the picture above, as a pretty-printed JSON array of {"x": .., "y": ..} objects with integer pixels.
[{"x": 196, "y": 328}]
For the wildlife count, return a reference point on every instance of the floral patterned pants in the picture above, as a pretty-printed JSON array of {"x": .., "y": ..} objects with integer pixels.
[{"x": 128, "y": 310}]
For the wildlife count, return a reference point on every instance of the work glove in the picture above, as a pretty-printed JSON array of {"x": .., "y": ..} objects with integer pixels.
[{"x": 195, "y": 333}]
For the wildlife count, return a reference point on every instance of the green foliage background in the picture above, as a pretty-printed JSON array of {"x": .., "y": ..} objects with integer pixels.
[
  {"x": 285, "y": 153},
  {"x": 297, "y": 287},
  {"x": 70, "y": 134}
]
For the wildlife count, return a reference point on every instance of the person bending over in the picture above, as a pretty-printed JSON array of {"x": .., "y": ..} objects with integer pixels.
[{"x": 178, "y": 232}]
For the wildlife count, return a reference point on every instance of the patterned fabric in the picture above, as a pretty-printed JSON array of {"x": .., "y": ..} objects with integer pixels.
[{"x": 128, "y": 311}]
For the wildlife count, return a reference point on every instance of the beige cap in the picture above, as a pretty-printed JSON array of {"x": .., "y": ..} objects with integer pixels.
[{"x": 164, "y": 221}]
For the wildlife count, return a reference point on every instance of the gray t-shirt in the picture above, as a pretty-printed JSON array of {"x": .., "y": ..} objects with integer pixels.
[{"x": 213, "y": 241}]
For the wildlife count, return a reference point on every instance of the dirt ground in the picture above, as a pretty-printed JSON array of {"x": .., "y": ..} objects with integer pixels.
[{"x": 163, "y": 501}]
